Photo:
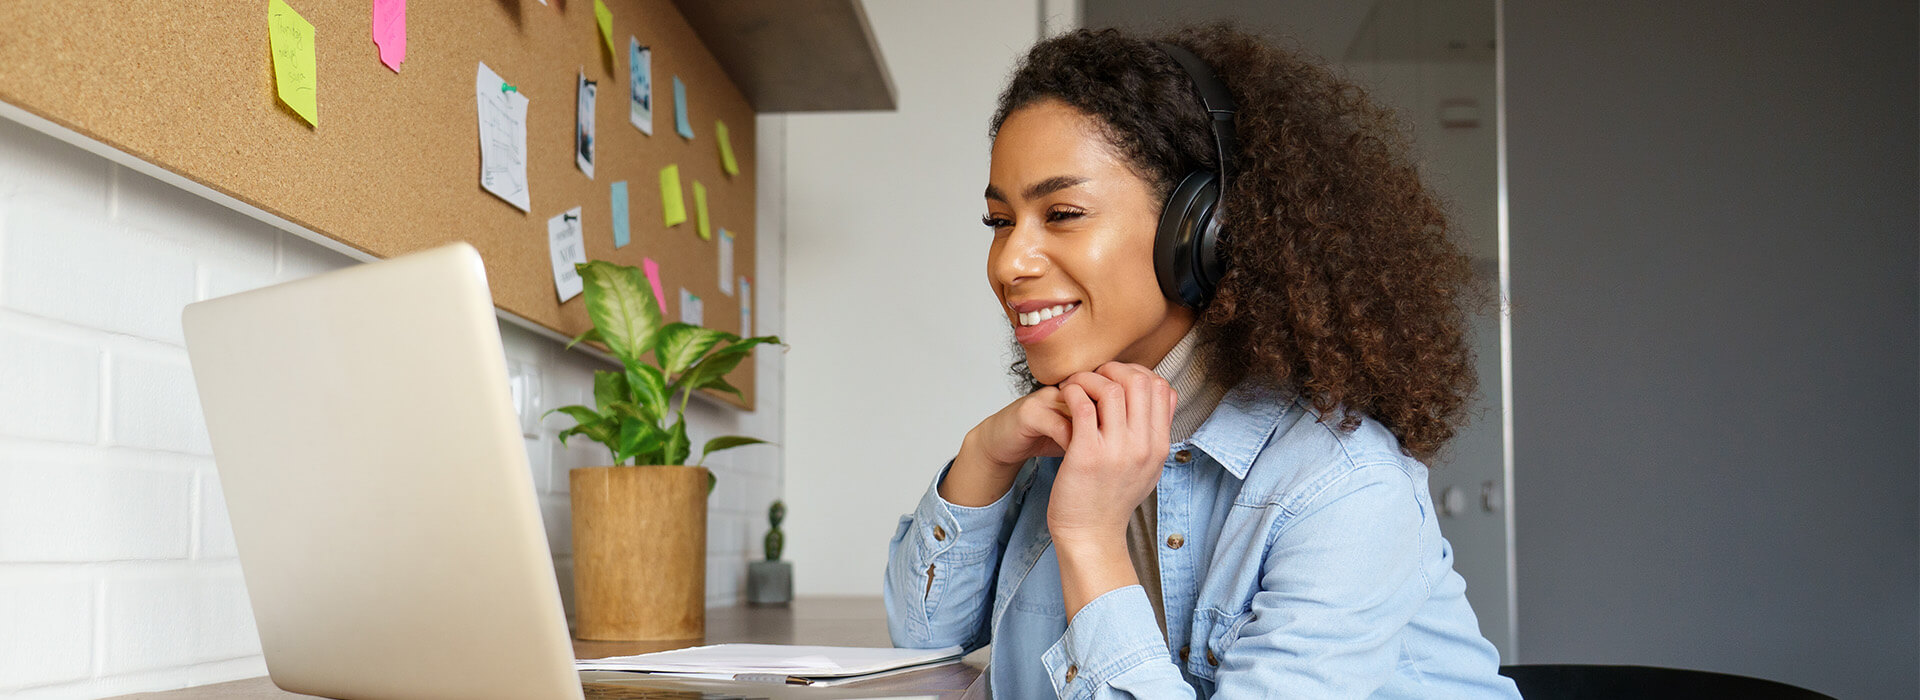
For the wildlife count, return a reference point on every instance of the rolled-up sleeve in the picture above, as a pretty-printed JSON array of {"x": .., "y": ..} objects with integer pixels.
[
  {"x": 1114, "y": 649},
  {"x": 941, "y": 565}
]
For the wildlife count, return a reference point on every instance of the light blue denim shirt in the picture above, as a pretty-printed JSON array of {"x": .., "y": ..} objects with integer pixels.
[{"x": 1295, "y": 559}]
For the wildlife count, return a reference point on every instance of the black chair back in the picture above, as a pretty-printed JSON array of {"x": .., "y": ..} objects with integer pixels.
[{"x": 1589, "y": 682}]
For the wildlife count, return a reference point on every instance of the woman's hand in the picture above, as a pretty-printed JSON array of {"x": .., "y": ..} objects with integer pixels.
[
  {"x": 1122, "y": 417},
  {"x": 1035, "y": 425}
]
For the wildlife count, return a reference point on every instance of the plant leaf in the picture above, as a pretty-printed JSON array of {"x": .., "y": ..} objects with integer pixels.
[
  {"x": 715, "y": 366},
  {"x": 592, "y": 335},
  {"x": 727, "y": 442},
  {"x": 649, "y": 389},
  {"x": 721, "y": 384},
  {"x": 712, "y": 481},
  {"x": 620, "y": 302},
  {"x": 581, "y": 414},
  {"x": 681, "y": 345},
  {"x": 676, "y": 447},
  {"x": 609, "y": 388},
  {"x": 639, "y": 437}
]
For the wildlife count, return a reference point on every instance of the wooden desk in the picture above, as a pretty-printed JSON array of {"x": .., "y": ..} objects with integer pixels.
[{"x": 838, "y": 621}]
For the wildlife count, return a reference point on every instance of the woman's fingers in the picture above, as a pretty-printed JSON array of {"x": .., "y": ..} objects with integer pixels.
[
  {"x": 1143, "y": 392},
  {"x": 1086, "y": 422},
  {"x": 1162, "y": 416},
  {"x": 1108, "y": 395}
]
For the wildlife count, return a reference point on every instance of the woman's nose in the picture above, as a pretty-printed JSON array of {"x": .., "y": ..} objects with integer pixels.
[{"x": 1020, "y": 256}]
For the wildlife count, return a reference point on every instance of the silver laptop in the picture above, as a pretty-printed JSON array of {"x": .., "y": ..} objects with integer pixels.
[
  {"x": 378, "y": 485},
  {"x": 380, "y": 493}
]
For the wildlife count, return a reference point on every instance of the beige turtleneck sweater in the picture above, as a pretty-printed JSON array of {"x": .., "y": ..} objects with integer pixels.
[{"x": 1197, "y": 399}]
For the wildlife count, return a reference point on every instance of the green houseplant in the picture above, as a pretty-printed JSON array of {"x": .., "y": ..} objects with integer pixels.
[
  {"x": 634, "y": 418},
  {"x": 640, "y": 525}
]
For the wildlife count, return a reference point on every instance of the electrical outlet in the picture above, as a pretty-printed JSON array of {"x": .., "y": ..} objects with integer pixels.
[{"x": 524, "y": 378}]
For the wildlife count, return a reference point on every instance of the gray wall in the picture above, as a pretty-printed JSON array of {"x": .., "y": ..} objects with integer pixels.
[{"x": 1714, "y": 280}]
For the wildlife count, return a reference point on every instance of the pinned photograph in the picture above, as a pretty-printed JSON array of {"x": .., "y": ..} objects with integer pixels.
[
  {"x": 640, "y": 80},
  {"x": 583, "y": 127}
]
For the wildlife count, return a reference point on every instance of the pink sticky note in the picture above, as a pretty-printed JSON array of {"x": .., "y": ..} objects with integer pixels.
[
  {"x": 653, "y": 277},
  {"x": 390, "y": 31}
]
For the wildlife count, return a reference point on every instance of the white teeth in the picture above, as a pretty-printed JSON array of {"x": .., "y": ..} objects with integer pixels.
[{"x": 1031, "y": 318}]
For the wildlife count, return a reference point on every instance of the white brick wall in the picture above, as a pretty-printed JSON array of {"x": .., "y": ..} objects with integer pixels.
[{"x": 117, "y": 562}]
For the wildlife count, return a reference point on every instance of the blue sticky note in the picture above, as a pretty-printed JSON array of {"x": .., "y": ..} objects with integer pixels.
[
  {"x": 680, "y": 121},
  {"x": 621, "y": 231}
]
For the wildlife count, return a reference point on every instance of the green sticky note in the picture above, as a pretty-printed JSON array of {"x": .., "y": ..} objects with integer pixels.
[
  {"x": 295, "y": 75},
  {"x": 726, "y": 148},
  {"x": 700, "y": 209},
  {"x": 604, "y": 17},
  {"x": 673, "y": 205}
]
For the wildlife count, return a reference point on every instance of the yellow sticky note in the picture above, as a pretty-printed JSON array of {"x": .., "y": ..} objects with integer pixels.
[
  {"x": 700, "y": 209},
  {"x": 673, "y": 205},
  {"x": 726, "y": 148},
  {"x": 294, "y": 73},
  {"x": 604, "y": 16}
]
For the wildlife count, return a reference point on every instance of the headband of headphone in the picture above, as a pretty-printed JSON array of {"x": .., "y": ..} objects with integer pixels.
[{"x": 1186, "y": 257}]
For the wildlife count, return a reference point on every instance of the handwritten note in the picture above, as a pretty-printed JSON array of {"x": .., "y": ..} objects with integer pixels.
[
  {"x": 673, "y": 204},
  {"x": 700, "y": 210},
  {"x": 390, "y": 31},
  {"x": 622, "y": 228},
  {"x": 295, "y": 75},
  {"x": 746, "y": 307},
  {"x": 640, "y": 86},
  {"x": 503, "y": 138},
  {"x": 568, "y": 247},
  {"x": 692, "y": 310},
  {"x": 604, "y": 17},
  {"x": 653, "y": 278},
  {"x": 726, "y": 148},
  {"x": 726, "y": 262},
  {"x": 680, "y": 122}
]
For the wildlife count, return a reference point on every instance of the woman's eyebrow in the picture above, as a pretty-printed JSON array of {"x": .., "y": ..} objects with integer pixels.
[{"x": 1041, "y": 188}]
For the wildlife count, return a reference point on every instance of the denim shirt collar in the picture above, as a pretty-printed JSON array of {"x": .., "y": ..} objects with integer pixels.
[{"x": 1241, "y": 425}]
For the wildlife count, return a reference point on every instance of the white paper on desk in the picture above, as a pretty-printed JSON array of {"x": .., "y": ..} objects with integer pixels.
[{"x": 802, "y": 661}]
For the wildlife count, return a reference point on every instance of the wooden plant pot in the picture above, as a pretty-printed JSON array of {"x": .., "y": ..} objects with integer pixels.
[{"x": 639, "y": 552}]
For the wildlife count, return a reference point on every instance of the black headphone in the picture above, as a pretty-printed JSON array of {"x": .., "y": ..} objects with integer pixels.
[{"x": 1186, "y": 255}]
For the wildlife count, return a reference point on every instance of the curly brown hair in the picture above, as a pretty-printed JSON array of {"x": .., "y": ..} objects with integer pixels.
[{"x": 1342, "y": 283}]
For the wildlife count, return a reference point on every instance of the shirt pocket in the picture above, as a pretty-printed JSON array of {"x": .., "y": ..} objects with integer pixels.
[{"x": 1214, "y": 633}]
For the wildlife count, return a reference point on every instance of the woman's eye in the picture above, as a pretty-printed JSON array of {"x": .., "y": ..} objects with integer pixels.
[
  {"x": 995, "y": 222},
  {"x": 1059, "y": 215}
]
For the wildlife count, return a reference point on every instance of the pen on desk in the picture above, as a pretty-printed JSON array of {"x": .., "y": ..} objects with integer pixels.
[{"x": 772, "y": 678}]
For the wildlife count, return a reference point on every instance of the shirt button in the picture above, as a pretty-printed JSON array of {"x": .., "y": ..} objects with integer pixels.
[
  {"x": 1183, "y": 456},
  {"x": 1211, "y": 659},
  {"x": 1072, "y": 670},
  {"x": 1175, "y": 541},
  {"x": 1183, "y": 653},
  {"x": 939, "y": 534}
]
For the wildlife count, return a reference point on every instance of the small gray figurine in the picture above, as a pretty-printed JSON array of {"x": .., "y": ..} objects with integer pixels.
[{"x": 770, "y": 582}]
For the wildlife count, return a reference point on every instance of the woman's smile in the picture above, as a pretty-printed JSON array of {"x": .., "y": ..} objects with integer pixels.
[{"x": 1035, "y": 320}]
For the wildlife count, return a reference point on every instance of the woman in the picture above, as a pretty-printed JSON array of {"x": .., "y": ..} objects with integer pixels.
[{"x": 1214, "y": 487}]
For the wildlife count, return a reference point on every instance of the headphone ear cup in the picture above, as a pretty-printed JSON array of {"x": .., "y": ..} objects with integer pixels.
[{"x": 1184, "y": 259}]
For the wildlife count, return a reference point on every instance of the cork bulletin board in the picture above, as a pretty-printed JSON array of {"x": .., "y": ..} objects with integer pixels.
[{"x": 393, "y": 164}]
